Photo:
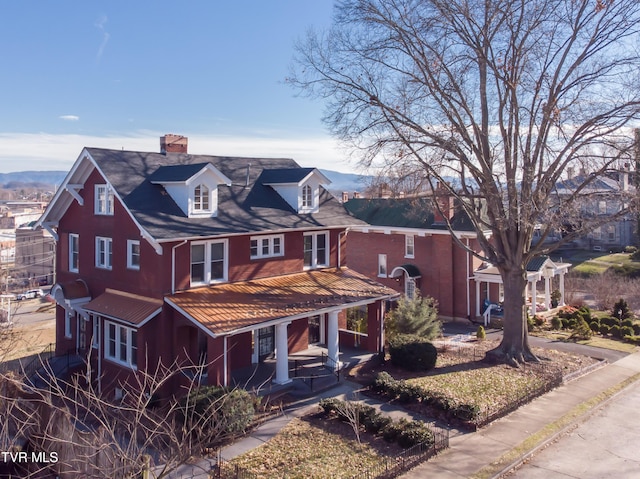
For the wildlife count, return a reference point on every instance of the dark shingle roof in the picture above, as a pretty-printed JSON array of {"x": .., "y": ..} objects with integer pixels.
[
  {"x": 403, "y": 213},
  {"x": 536, "y": 263},
  {"x": 176, "y": 172},
  {"x": 284, "y": 175},
  {"x": 244, "y": 207}
]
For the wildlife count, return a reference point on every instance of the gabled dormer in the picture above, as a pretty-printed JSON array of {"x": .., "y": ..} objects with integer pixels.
[
  {"x": 300, "y": 187},
  {"x": 194, "y": 188}
]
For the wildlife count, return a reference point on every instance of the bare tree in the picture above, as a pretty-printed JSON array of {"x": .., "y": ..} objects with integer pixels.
[
  {"x": 94, "y": 436},
  {"x": 494, "y": 99}
]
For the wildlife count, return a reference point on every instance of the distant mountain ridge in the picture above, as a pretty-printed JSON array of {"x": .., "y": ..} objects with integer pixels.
[
  {"x": 339, "y": 181},
  {"x": 32, "y": 177}
]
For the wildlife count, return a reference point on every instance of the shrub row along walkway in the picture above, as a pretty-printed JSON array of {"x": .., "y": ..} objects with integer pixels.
[
  {"x": 486, "y": 453},
  {"x": 505, "y": 443}
]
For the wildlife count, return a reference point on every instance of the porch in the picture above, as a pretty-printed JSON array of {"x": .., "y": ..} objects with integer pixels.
[{"x": 310, "y": 371}]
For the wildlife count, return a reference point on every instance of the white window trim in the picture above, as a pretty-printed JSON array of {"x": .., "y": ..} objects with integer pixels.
[
  {"x": 409, "y": 246},
  {"x": 73, "y": 236},
  {"x": 95, "y": 336},
  {"x": 67, "y": 324},
  {"x": 197, "y": 205},
  {"x": 382, "y": 266},
  {"x": 271, "y": 240},
  {"x": 207, "y": 263},
  {"x": 314, "y": 250},
  {"x": 130, "y": 245},
  {"x": 103, "y": 207},
  {"x": 108, "y": 258},
  {"x": 107, "y": 338},
  {"x": 307, "y": 197}
]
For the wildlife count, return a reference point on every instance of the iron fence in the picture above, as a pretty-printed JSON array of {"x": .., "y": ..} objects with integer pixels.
[{"x": 392, "y": 467}]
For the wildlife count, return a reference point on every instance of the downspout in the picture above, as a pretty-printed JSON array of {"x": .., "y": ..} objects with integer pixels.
[
  {"x": 173, "y": 266},
  {"x": 224, "y": 361},
  {"x": 345, "y": 232},
  {"x": 467, "y": 283},
  {"x": 100, "y": 348}
]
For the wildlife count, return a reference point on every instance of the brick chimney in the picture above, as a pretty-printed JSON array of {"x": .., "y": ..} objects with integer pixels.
[
  {"x": 446, "y": 204},
  {"x": 171, "y": 143}
]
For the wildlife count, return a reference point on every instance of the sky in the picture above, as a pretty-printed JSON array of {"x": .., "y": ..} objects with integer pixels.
[{"x": 119, "y": 74}]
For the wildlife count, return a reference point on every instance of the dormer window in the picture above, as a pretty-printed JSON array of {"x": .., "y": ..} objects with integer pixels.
[
  {"x": 307, "y": 197},
  {"x": 299, "y": 187},
  {"x": 201, "y": 198},
  {"x": 193, "y": 187}
]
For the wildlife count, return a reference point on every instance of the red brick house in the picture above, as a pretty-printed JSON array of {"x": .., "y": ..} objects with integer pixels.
[
  {"x": 407, "y": 246},
  {"x": 223, "y": 261}
]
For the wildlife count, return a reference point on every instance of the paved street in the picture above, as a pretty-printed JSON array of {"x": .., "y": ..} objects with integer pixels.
[
  {"x": 32, "y": 312},
  {"x": 604, "y": 446}
]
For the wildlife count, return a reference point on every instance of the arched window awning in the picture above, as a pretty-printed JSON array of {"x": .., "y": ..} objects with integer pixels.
[{"x": 409, "y": 269}]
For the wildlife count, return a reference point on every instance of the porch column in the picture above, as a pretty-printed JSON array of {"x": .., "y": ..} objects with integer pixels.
[
  {"x": 333, "y": 343},
  {"x": 534, "y": 294},
  {"x": 477, "y": 298},
  {"x": 561, "y": 303},
  {"x": 547, "y": 292},
  {"x": 282, "y": 355}
]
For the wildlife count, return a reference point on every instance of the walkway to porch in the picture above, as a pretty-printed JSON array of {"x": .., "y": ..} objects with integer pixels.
[{"x": 307, "y": 369}]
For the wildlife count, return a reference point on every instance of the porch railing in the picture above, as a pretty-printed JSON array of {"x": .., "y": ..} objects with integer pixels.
[{"x": 331, "y": 364}]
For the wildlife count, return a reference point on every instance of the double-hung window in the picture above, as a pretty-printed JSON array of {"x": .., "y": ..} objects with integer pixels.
[
  {"x": 267, "y": 246},
  {"x": 201, "y": 198},
  {"x": 121, "y": 344},
  {"x": 133, "y": 254},
  {"x": 209, "y": 262},
  {"x": 104, "y": 250},
  {"x": 382, "y": 265},
  {"x": 316, "y": 250},
  {"x": 307, "y": 196},
  {"x": 103, "y": 200},
  {"x": 409, "y": 246},
  {"x": 74, "y": 253}
]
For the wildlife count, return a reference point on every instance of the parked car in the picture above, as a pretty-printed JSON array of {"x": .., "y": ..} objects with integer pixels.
[{"x": 32, "y": 293}]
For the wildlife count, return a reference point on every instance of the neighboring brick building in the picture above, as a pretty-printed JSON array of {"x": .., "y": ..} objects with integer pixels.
[
  {"x": 171, "y": 256},
  {"x": 408, "y": 247}
]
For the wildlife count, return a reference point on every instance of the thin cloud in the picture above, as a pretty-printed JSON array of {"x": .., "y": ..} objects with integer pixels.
[
  {"x": 42, "y": 151},
  {"x": 100, "y": 25},
  {"x": 69, "y": 117}
]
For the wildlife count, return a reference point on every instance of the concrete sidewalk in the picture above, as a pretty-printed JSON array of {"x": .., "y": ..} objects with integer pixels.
[{"x": 505, "y": 443}]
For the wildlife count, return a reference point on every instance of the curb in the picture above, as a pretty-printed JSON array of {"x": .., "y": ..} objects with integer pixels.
[{"x": 609, "y": 395}]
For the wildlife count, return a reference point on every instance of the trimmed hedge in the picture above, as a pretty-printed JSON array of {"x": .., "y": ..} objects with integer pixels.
[
  {"x": 218, "y": 412},
  {"x": 405, "y": 433},
  {"x": 412, "y": 353},
  {"x": 404, "y": 392}
]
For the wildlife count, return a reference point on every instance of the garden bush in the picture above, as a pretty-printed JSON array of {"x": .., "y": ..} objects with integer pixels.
[
  {"x": 627, "y": 322},
  {"x": 414, "y": 432},
  {"x": 636, "y": 329},
  {"x": 609, "y": 321},
  {"x": 615, "y": 331},
  {"x": 635, "y": 256},
  {"x": 621, "y": 310},
  {"x": 481, "y": 333},
  {"x": 595, "y": 325},
  {"x": 605, "y": 329},
  {"x": 565, "y": 323},
  {"x": 556, "y": 323},
  {"x": 626, "y": 331},
  {"x": 581, "y": 331},
  {"x": 219, "y": 412},
  {"x": 412, "y": 353}
]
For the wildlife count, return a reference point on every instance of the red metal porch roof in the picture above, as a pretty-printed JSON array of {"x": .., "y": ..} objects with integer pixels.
[{"x": 231, "y": 306}]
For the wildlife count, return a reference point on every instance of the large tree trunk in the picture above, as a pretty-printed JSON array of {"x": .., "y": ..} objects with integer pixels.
[{"x": 514, "y": 348}]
